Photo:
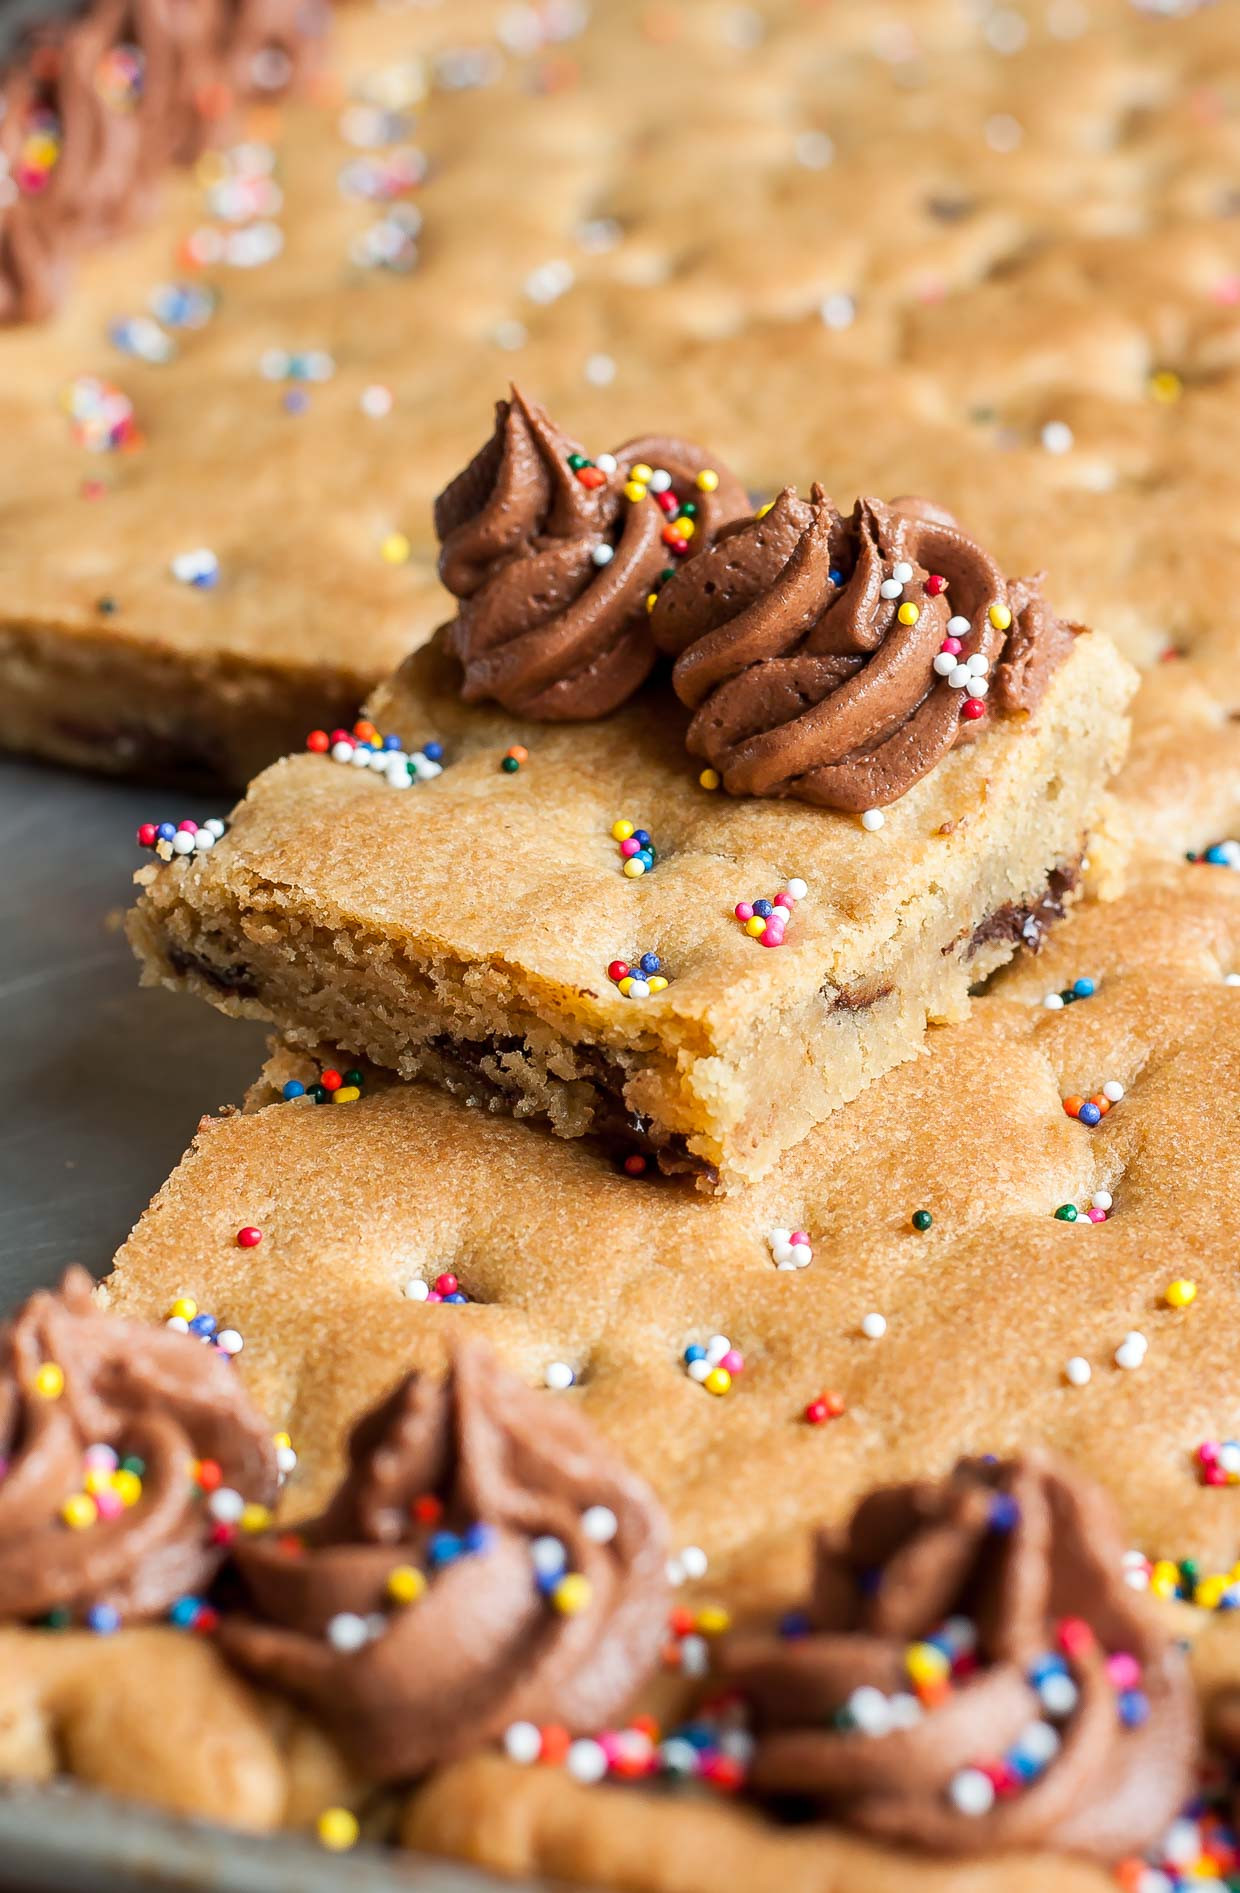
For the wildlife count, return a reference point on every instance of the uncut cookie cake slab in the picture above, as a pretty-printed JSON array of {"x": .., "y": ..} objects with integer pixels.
[{"x": 1058, "y": 1286}]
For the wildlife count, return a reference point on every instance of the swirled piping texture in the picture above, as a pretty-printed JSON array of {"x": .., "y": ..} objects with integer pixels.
[
  {"x": 552, "y": 563},
  {"x": 469, "y": 1484},
  {"x": 1019, "y": 1565},
  {"x": 805, "y": 646},
  {"x": 143, "y": 1391},
  {"x": 188, "y": 60}
]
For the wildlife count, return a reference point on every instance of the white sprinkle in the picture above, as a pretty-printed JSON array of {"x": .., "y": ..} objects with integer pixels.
[
  {"x": 416, "y": 1289},
  {"x": 1101, "y": 1199},
  {"x": 1078, "y": 1372},
  {"x": 376, "y": 401},
  {"x": 587, "y": 1759},
  {"x": 600, "y": 1524},
  {"x": 902, "y": 572},
  {"x": 204, "y": 841},
  {"x": 659, "y": 481},
  {"x": 698, "y": 1370},
  {"x": 717, "y": 1347},
  {"x": 814, "y": 150},
  {"x": 182, "y": 842},
  {"x": 558, "y": 1375},
  {"x": 977, "y": 687},
  {"x": 869, "y": 1710},
  {"x": 273, "y": 364},
  {"x": 1131, "y": 1350},
  {"x": 286, "y": 1461},
  {"x": 890, "y": 588},
  {"x": 548, "y": 1556},
  {"x": 801, "y": 1254},
  {"x": 549, "y": 281},
  {"x": 1112, "y": 1092},
  {"x": 838, "y": 311},
  {"x": 199, "y": 567},
  {"x": 958, "y": 627},
  {"x": 597, "y": 235},
  {"x": 873, "y": 819},
  {"x": 944, "y": 663},
  {"x": 1006, "y": 31},
  {"x": 510, "y": 335},
  {"x": 347, "y": 1631},
  {"x": 178, "y": 1324},
  {"x": 1231, "y": 979},
  {"x": 799, "y": 890},
  {"x": 638, "y": 989},
  {"x": 693, "y": 1562},
  {"x": 606, "y": 463},
  {"x": 977, "y": 664},
  {"x": 603, "y": 554},
  {"x": 958, "y": 675},
  {"x": 226, "y": 1505},
  {"x": 971, "y": 1792},
  {"x": 228, "y": 1341},
  {"x": 1059, "y": 1695},
  {"x": 216, "y": 827},
  {"x": 1053, "y": 1002},
  {"x": 694, "y": 1656},
  {"x": 1003, "y": 132},
  {"x": 1057, "y": 437},
  {"x": 1039, "y": 1742},
  {"x": 522, "y": 1743},
  {"x": 600, "y": 370},
  {"x": 874, "y": 1327}
]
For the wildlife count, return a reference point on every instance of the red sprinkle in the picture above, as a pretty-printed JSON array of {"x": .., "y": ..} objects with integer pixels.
[
  {"x": 635, "y": 1166},
  {"x": 618, "y": 970},
  {"x": 146, "y": 835},
  {"x": 445, "y": 1284},
  {"x": 330, "y": 1079},
  {"x": 1075, "y": 1636},
  {"x": 319, "y": 741},
  {"x": 973, "y": 707},
  {"x": 591, "y": 476},
  {"x": 428, "y": 1510},
  {"x": 249, "y": 1237},
  {"x": 935, "y": 584}
]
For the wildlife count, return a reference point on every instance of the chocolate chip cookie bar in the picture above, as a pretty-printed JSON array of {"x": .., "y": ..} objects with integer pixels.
[{"x": 482, "y": 928}]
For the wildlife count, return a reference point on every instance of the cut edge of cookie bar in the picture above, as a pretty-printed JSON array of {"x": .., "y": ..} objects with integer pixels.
[{"x": 463, "y": 932}]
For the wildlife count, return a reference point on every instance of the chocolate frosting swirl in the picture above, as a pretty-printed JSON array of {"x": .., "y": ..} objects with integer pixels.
[
  {"x": 1066, "y": 1692},
  {"x": 553, "y": 564},
  {"x": 143, "y": 1391},
  {"x": 410, "y": 1614},
  {"x": 191, "y": 56},
  {"x": 794, "y": 651}
]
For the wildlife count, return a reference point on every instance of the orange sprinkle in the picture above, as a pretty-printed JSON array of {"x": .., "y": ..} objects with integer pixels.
[
  {"x": 1073, "y": 1105},
  {"x": 555, "y": 1743},
  {"x": 518, "y": 752}
]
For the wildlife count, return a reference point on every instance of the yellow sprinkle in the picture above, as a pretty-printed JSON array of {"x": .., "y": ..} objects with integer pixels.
[
  {"x": 1178, "y": 1294},
  {"x": 709, "y": 779},
  {"x": 707, "y": 480},
  {"x": 395, "y": 548},
  {"x": 909, "y": 613},
  {"x": 713, "y": 1620},
  {"x": 255, "y": 1518},
  {"x": 621, "y": 831},
  {"x": 634, "y": 868},
  {"x": 98, "y": 1479},
  {"x": 634, "y": 490},
  {"x": 764, "y": 510},
  {"x": 1166, "y": 386},
  {"x": 572, "y": 1594},
  {"x": 652, "y": 599},
  {"x": 184, "y": 1309},
  {"x": 624, "y": 985},
  {"x": 926, "y": 1664},
  {"x": 209, "y": 169},
  {"x": 1000, "y": 617},
  {"x": 684, "y": 527},
  {"x": 127, "y": 1485},
  {"x": 656, "y": 982},
  {"x": 50, "y": 1381},
  {"x": 755, "y": 927},
  {"x": 345, "y": 1094},
  {"x": 280, "y": 1440},
  {"x": 1206, "y": 1594},
  {"x": 79, "y": 1512},
  {"x": 718, "y": 1380},
  {"x": 405, "y": 1584},
  {"x": 641, "y": 473},
  {"x": 338, "y": 1829}
]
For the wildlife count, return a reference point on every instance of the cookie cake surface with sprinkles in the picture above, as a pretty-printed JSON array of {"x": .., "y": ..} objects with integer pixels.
[{"x": 692, "y": 1330}]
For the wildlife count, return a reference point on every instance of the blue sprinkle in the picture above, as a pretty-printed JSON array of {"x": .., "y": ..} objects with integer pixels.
[
  {"x": 433, "y": 752},
  {"x": 641, "y": 837},
  {"x": 296, "y": 401},
  {"x": 836, "y": 578},
  {"x": 293, "y": 1089},
  {"x": 391, "y": 742},
  {"x": 698, "y": 1735},
  {"x": 694, "y": 1353},
  {"x": 1004, "y": 1512},
  {"x": 1024, "y": 1767},
  {"x": 478, "y": 1538},
  {"x": 763, "y": 909},
  {"x": 103, "y": 1619},
  {"x": 184, "y": 1611},
  {"x": 456, "y": 1296},
  {"x": 1134, "y": 1708},
  {"x": 794, "y": 1623},
  {"x": 166, "y": 831},
  {"x": 646, "y": 858},
  {"x": 203, "y": 1324},
  {"x": 1051, "y": 1664},
  {"x": 650, "y": 963},
  {"x": 870, "y": 1582},
  {"x": 1217, "y": 856},
  {"x": 1082, "y": 988},
  {"x": 1089, "y": 1113},
  {"x": 444, "y": 1547}
]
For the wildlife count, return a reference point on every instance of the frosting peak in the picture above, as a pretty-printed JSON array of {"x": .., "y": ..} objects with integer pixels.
[
  {"x": 553, "y": 557},
  {"x": 976, "y": 1675},
  {"x": 838, "y": 660},
  {"x": 485, "y": 1561},
  {"x": 84, "y": 1399}
]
